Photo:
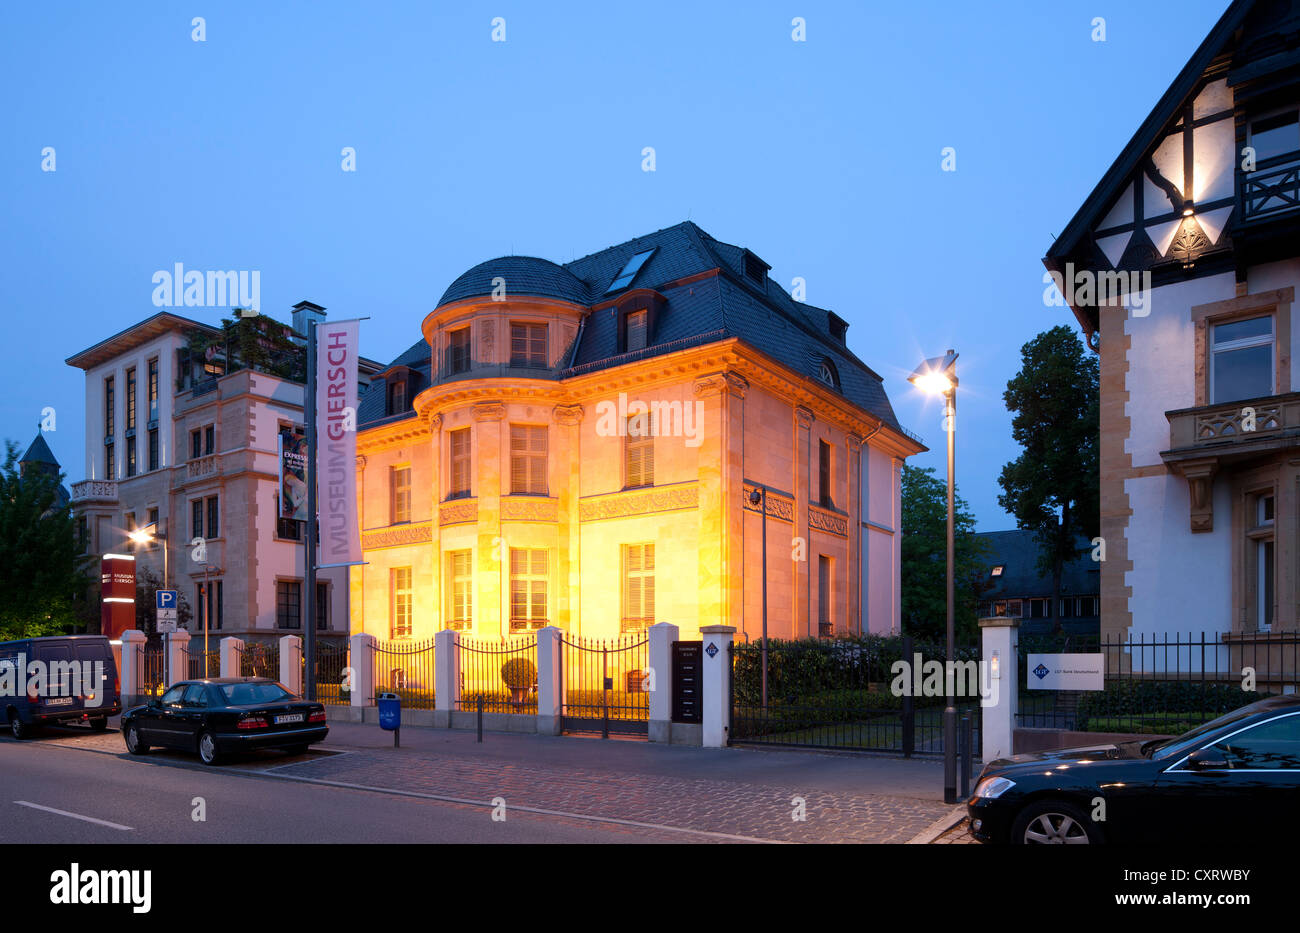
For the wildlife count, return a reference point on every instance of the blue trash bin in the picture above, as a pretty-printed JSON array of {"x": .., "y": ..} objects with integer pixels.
[{"x": 390, "y": 711}]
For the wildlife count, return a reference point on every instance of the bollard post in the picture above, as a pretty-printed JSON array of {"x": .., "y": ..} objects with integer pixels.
[{"x": 967, "y": 736}]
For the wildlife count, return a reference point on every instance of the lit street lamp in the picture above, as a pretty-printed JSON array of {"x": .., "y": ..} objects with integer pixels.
[
  {"x": 144, "y": 537},
  {"x": 938, "y": 376}
]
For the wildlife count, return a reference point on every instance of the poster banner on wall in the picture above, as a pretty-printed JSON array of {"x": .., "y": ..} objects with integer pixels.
[
  {"x": 293, "y": 474},
  {"x": 336, "y": 441}
]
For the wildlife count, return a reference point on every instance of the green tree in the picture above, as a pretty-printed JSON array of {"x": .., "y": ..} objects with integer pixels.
[
  {"x": 44, "y": 575},
  {"x": 925, "y": 563},
  {"x": 1053, "y": 487}
]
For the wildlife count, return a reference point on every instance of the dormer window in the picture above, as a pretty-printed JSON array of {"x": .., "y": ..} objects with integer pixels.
[
  {"x": 636, "y": 330},
  {"x": 633, "y": 266},
  {"x": 997, "y": 571},
  {"x": 827, "y": 374},
  {"x": 397, "y": 397},
  {"x": 755, "y": 269}
]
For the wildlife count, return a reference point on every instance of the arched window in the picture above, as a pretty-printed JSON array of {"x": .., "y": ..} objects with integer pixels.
[{"x": 827, "y": 374}]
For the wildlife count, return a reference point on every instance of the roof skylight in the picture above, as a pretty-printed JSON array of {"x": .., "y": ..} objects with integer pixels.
[{"x": 629, "y": 271}]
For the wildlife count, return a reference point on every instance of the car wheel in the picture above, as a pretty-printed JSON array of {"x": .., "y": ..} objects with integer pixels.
[
  {"x": 1053, "y": 822},
  {"x": 134, "y": 744},
  {"x": 99, "y": 724},
  {"x": 17, "y": 728},
  {"x": 208, "y": 753}
]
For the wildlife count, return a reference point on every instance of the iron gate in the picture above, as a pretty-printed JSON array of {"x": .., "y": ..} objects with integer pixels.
[
  {"x": 332, "y": 682},
  {"x": 152, "y": 668},
  {"x": 839, "y": 694},
  {"x": 607, "y": 685}
]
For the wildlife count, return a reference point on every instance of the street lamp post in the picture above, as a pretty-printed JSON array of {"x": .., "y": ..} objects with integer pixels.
[
  {"x": 938, "y": 375},
  {"x": 146, "y": 536}
]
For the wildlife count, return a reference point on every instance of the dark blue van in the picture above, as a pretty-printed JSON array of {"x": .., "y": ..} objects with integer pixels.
[{"x": 52, "y": 679}]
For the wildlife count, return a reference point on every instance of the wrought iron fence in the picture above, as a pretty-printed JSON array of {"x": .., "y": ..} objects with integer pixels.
[
  {"x": 331, "y": 663},
  {"x": 406, "y": 668},
  {"x": 1159, "y": 684},
  {"x": 846, "y": 694},
  {"x": 607, "y": 684},
  {"x": 194, "y": 663},
  {"x": 152, "y": 668},
  {"x": 260, "y": 659},
  {"x": 502, "y": 674}
]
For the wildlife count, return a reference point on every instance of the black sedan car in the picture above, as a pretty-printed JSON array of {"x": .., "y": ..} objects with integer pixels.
[
  {"x": 224, "y": 715},
  {"x": 1234, "y": 779}
]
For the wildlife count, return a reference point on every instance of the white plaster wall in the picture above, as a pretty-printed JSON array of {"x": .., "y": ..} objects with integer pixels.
[
  {"x": 1162, "y": 366},
  {"x": 1171, "y": 566}
]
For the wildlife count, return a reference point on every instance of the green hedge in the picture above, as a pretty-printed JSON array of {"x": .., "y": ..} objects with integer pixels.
[
  {"x": 799, "y": 670},
  {"x": 1158, "y": 705}
]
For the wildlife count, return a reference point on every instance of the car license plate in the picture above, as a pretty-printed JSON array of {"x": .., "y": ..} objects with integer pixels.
[
  {"x": 288, "y": 717},
  {"x": 59, "y": 701}
]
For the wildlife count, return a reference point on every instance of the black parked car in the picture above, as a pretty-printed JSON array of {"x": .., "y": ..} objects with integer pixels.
[
  {"x": 224, "y": 715},
  {"x": 1234, "y": 779}
]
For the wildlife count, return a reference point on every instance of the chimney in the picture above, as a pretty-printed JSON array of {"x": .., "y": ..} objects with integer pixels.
[{"x": 303, "y": 312}]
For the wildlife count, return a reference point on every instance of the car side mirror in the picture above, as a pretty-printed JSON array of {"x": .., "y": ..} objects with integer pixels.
[{"x": 1207, "y": 759}]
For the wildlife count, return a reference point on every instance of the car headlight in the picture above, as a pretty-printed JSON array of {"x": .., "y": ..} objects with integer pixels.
[{"x": 993, "y": 787}]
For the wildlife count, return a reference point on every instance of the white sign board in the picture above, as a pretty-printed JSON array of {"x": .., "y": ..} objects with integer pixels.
[
  {"x": 165, "y": 602},
  {"x": 1066, "y": 671}
]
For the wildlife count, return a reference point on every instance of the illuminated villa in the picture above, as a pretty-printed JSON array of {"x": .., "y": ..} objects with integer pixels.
[{"x": 585, "y": 445}]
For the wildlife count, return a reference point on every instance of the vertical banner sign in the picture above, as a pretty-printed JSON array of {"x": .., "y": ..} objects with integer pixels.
[
  {"x": 336, "y": 441},
  {"x": 117, "y": 594},
  {"x": 293, "y": 474}
]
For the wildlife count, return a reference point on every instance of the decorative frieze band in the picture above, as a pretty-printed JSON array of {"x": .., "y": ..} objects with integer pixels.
[
  {"x": 459, "y": 512},
  {"x": 778, "y": 505},
  {"x": 397, "y": 536},
  {"x": 521, "y": 509},
  {"x": 489, "y": 411},
  {"x": 623, "y": 504},
  {"x": 831, "y": 522}
]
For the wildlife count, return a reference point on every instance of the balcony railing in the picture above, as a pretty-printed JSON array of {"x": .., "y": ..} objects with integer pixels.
[
  {"x": 94, "y": 489},
  {"x": 202, "y": 466},
  {"x": 1273, "y": 190},
  {"x": 1271, "y": 421}
]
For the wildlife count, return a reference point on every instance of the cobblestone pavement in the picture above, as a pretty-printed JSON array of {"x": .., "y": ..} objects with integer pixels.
[{"x": 709, "y": 806}]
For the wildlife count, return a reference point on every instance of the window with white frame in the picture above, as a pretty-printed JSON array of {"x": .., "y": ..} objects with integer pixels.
[
  {"x": 528, "y": 573},
  {"x": 528, "y": 459},
  {"x": 638, "y": 586},
  {"x": 400, "y": 483},
  {"x": 400, "y": 582},
  {"x": 1262, "y": 560},
  {"x": 460, "y": 583},
  {"x": 1241, "y": 359}
]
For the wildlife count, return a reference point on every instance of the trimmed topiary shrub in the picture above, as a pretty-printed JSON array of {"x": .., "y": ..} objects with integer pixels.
[{"x": 518, "y": 673}]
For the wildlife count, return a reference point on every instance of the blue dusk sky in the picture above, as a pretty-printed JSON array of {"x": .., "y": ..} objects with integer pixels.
[{"x": 822, "y": 156}]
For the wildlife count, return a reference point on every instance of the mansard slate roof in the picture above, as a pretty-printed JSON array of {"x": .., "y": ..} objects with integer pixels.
[
  {"x": 1017, "y": 553},
  {"x": 711, "y": 308}
]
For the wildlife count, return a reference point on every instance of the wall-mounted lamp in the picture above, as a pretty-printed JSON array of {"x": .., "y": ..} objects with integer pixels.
[{"x": 1188, "y": 208}]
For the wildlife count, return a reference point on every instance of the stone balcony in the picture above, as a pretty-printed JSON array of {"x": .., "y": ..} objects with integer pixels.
[
  {"x": 94, "y": 490},
  {"x": 200, "y": 467},
  {"x": 1209, "y": 438}
]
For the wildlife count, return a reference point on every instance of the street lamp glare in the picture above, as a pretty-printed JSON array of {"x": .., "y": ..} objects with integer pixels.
[{"x": 937, "y": 375}]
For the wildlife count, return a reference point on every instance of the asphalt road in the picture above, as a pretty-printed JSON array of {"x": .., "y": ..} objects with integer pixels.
[{"x": 152, "y": 800}]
